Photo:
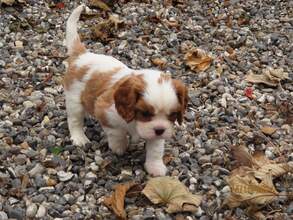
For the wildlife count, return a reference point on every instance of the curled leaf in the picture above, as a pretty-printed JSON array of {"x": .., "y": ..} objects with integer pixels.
[
  {"x": 171, "y": 192},
  {"x": 269, "y": 76},
  {"x": 197, "y": 59},
  {"x": 116, "y": 200}
]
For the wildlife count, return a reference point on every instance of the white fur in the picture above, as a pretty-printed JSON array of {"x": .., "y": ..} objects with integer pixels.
[
  {"x": 162, "y": 96},
  {"x": 98, "y": 62}
]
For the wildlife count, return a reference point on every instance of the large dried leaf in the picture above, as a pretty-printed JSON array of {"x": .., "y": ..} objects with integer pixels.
[
  {"x": 197, "y": 59},
  {"x": 269, "y": 76},
  {"x": 116, "y": 200},
  {"x": 251, "y": 188},
  {"x": 171, "y": 192}
]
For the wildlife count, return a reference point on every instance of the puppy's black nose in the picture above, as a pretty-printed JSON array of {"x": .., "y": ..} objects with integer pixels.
[{"x": 159, "y": 131}]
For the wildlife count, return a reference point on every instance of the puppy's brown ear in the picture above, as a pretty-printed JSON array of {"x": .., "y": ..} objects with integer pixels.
[
  {"x": 126, "y": 96},
  {"x": 182, "y": 94}
]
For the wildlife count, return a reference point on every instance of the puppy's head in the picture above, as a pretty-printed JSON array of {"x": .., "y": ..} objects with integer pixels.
[{"x": 155, "y": 103}]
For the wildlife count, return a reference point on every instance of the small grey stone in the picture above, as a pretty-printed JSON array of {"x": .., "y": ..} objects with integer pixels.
[
  {"x": 41, "y": 212},
  {"x": 38, "y": 169},
  {"x": 204, "y": 159},
  {"x": 3, "y": 216},
  {"x": 31, "y": 210},
  {"x": 16, "y": 212},
  {"x": 64, "y": 176},
  {"x": 39, "y": 198},
  {"x": 40, "y": 181},
  {"x": 20, "y": 159}
]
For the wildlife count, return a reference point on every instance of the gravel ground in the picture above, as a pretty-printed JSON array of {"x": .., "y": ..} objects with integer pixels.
[{"x": 42, "y": 175}]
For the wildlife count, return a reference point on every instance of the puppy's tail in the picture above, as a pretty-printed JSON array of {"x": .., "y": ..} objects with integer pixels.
[{"x": 73, "y": 43}]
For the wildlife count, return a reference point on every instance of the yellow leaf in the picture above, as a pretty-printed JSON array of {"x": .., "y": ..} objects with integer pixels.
[
  {"x": 197, "y": 59},
  {"x": 159, "y": 62},
  {"x": 268, "y": 130},
  {"x": 116, "y": 200},
  {"x": 171, "y": 192}
]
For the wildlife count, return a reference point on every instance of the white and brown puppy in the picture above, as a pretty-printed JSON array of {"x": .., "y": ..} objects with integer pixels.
[{"x": 142, "y": 103}]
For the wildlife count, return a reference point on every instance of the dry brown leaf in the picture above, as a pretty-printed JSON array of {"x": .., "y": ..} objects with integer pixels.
[
  {"x": 242, "y": 156},
  {"x": 265, "y": 165},
  {"x": 116, "y": 200},
  {"x": 269, "y": 76},
  {"x": 268, "y": 130},
  {"x": 251, "y": 188},
  {"x": 173, "y": 193},
  {"x": 105, "y": 29},
  {"x": 159, "y": 62},
  {"x": 197, "y": 59},
  {"x": 99, "y": 4},
  {"x": 259, "y": 162},
  {"x": 167, "y": 158}
]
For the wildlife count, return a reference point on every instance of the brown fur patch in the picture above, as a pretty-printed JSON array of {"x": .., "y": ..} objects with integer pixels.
[
  {"x": 98, "y": 95},
  {"x": 74, "y": 73},
  {"x": 144, "y": 111},
  {"x": 127, "y": 95},
  {"x": 182, "y": 94}
]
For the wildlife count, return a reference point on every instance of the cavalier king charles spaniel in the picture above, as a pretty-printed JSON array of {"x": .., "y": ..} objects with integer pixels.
[{"x": 141, "y": 103}]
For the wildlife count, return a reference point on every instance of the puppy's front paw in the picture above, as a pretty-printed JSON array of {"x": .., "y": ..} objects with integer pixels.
[
  {"x": 156, "y": 168},
  {"x": 80, "y": 140},
  {"x": 118, "y": 147}
]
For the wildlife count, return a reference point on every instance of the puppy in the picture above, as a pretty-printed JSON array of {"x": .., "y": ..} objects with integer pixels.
[{"x": 142, "y": 103}]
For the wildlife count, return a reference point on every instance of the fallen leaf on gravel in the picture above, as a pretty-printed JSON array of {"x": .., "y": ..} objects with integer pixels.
[
  {"x": 259, "y": 162},
  {"x": 159, "y": 62},
  {"x": 247, "y": 187},
  {"x": 116, "y": 200},
  {"x": 171, "y": 192},
  {"x": 105, "y": 30},
  {"x": 270, "y": 76},
  {"x": 268, "y": 130},
  {"x": 167, "y": 158},
  {"x": 197, "y": 59},
  {"x": 99, "y": 4}
]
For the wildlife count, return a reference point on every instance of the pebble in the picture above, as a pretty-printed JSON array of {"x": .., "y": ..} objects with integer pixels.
[
  {"x": 64, "y": 176},
  {"x": 28, "y": 104},
  {"x": 204, "y": 159},
  {"x": 41, "y": 212},
  {"x": 31, "y": 210},
  {"x": 3, "y": 216},
  {"x": 38, "y": 169}
]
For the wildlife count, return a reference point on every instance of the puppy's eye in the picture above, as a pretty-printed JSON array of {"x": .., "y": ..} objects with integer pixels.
[
  {"x": 146, "y": 114},
  {"x": 173, "y": 116}
]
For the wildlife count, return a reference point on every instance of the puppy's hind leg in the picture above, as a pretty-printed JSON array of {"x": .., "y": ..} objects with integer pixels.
[{"x": 75, "y": 117}]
